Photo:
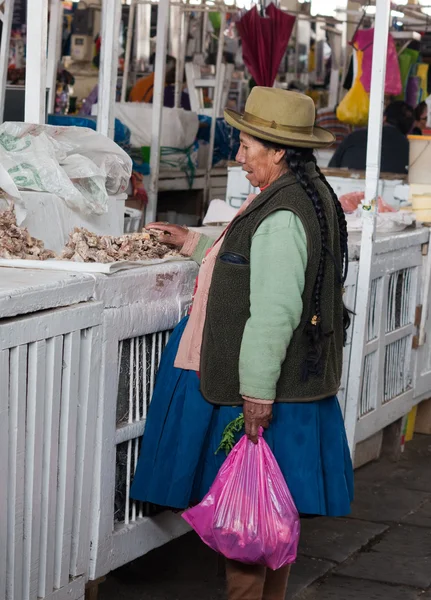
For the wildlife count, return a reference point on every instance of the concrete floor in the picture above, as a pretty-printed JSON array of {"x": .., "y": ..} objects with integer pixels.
[{"x": 381, "y": 552}]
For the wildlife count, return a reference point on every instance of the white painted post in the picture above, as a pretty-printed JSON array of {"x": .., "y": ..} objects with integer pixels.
[
  {"x": 4, "y": 51},
  {"x": 180, "y": 49},
  {"x": 142, "y": 32},
  {"x": 35, "y": 71},
  {"x": 375, "y": 123},
  {"x": 218, "y": 92},
  {"x": 204, "y": 30},
  {"x": 158, "y": 98},
  {"x": 130, "y": 25},
  {"x": 111, "y": 16},
  {"x": 54, "y": 49}
]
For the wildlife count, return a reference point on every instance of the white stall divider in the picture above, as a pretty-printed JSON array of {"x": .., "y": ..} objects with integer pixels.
[
  {"x": 35, "y": 72},
  {"x": 52, "y": 362},
  {"x": 6, "y": 15},
  {"x": 158, "y": 98},
  {"x": 369, "y": 216},
  {"x": 135, "y": 334},
  {"x": 111, "y": 19}
]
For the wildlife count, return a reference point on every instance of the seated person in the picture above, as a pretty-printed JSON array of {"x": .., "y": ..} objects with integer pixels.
[
  {"x": 143, "y": 89},
  {"x": 327, "y": 118},
  {"x": 421, "y": 118},
  {"x": 398, "y": 121}
]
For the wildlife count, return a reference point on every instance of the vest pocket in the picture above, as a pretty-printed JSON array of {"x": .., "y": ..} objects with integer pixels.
[{"x": 233, "y": 258}]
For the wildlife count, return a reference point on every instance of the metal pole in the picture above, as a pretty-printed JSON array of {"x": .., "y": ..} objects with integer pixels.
[
  {"x": 218, "y": 92},
  {"x": 35, "y": 71},
  {"x": 111, "y": 16},
  {"x": 4, "y": 51},
  {"x": 375, "y": 123},
  {"x": 54, "y": 49},
  {"x": 130, "y": 26},
  {"x": 158, "y": 97}
]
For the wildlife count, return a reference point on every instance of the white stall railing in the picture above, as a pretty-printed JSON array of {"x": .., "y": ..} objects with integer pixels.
[
  {"x": 386, "y": 390},
  {"x": 49, "y": 367},
  {"x": 136, "y": 328}
]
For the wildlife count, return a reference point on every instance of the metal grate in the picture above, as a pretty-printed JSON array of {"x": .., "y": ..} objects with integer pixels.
[
  {"x": 138, "y": 361},
  {"x": 374, "y": 312},
  {"x": 398, "y": 377},
  {"x": 369, "y": 385},
  {"x": 400, "y": 299}
]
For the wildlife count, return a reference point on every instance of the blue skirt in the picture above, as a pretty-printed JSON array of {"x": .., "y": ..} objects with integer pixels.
[{"x": 178, "y": 464}]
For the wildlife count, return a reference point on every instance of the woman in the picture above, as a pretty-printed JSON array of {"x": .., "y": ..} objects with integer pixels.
[
  {"x": 264, "y": 336},
  {"x": 421, "y": 118}
]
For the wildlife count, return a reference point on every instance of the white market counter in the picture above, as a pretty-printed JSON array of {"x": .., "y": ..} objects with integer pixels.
[{"x": 65, "y": 339}]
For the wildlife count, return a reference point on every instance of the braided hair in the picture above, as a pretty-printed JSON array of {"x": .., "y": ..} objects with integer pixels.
[{"x": 297, "y": 159}]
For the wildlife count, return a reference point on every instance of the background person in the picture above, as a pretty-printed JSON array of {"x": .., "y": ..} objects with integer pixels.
[{"x": 398, "y": 121}]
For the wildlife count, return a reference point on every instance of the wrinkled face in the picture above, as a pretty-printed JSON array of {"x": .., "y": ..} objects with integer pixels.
[{"x": 261, "y": 164}]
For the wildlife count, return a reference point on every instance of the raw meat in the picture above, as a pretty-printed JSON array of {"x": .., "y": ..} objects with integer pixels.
[
  {"x": 16, "y": 242},
  {"x": 85, "y": 246}
]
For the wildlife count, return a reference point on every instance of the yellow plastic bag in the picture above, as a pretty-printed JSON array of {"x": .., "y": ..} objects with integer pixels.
[{"x": 354, "y": 107}]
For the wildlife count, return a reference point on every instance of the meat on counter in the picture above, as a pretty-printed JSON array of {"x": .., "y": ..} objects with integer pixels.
[
  {"x": 16, "y": 242},
  {"x": 85, "y": 246}
]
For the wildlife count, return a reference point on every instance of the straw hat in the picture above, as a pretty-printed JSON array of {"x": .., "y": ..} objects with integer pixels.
[{"x": 285, "y": 118}]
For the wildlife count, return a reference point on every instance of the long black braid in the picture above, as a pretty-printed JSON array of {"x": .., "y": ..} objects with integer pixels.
[{"x": 297, "y": 159}]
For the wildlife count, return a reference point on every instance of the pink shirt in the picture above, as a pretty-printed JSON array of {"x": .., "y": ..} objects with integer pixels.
[{"x": 189, "y": 351}]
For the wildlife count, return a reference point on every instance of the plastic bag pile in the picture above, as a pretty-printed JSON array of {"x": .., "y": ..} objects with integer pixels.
[{"x": 76, "y": 164}]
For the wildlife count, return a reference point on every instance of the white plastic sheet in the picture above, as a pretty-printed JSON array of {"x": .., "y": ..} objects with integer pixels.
[
  {"x": 76, "y": 164},
  {"x": 179, "y": 126}
]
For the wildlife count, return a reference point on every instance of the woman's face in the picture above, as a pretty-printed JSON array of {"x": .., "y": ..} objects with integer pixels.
[
  {"x": 262, "y": 165},
  {"x": 422, "y": 123}
]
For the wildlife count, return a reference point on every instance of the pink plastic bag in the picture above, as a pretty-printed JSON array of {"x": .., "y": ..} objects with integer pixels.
[
  {"x": 364, "y": 40},
  {"x": 249, "y": 515}
]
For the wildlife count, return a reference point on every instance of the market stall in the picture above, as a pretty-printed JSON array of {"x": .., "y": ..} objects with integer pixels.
[{"x": 80, "y": 354}]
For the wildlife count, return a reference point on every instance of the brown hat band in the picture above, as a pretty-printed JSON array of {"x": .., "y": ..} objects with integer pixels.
[{"x": 253, "y": 120}]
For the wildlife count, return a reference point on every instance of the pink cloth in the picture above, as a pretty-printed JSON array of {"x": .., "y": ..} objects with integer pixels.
[{"x": 189, "y": 351}]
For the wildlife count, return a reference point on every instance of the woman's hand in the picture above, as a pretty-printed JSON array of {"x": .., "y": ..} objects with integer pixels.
[
  {"x": 255, "y": 416},
  {"x": 172, "y": 235}
]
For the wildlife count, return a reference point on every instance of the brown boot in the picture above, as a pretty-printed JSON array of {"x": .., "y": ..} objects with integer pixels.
[
  {"x": 276, "y": 584},
  {"x": 244, "y": 582}
]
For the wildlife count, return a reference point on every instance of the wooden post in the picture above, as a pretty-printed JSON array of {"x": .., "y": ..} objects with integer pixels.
[
  {"x": 130, "y": 25},
  {"x": 54, "y": 49},
  {"x": 218, "y": 92},
  {"x": 158, "y": 98},
  {"x": 375, "y": 123},
  {"x": 111, "y": 16},
  {"x": 35, "y": 72},
  {"x": 6, "y": 19}
]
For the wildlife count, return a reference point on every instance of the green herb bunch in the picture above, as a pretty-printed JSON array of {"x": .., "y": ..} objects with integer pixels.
[{"x": 228, "y": 440}]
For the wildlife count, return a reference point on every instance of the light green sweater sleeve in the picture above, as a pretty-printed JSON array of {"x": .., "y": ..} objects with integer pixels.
[
  {"x": 278, "y": 262},
  {"x": 203, "y": 245}
]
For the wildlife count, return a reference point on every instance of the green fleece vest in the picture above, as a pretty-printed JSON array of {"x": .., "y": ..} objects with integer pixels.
[{"x": 228, "y": 306}]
